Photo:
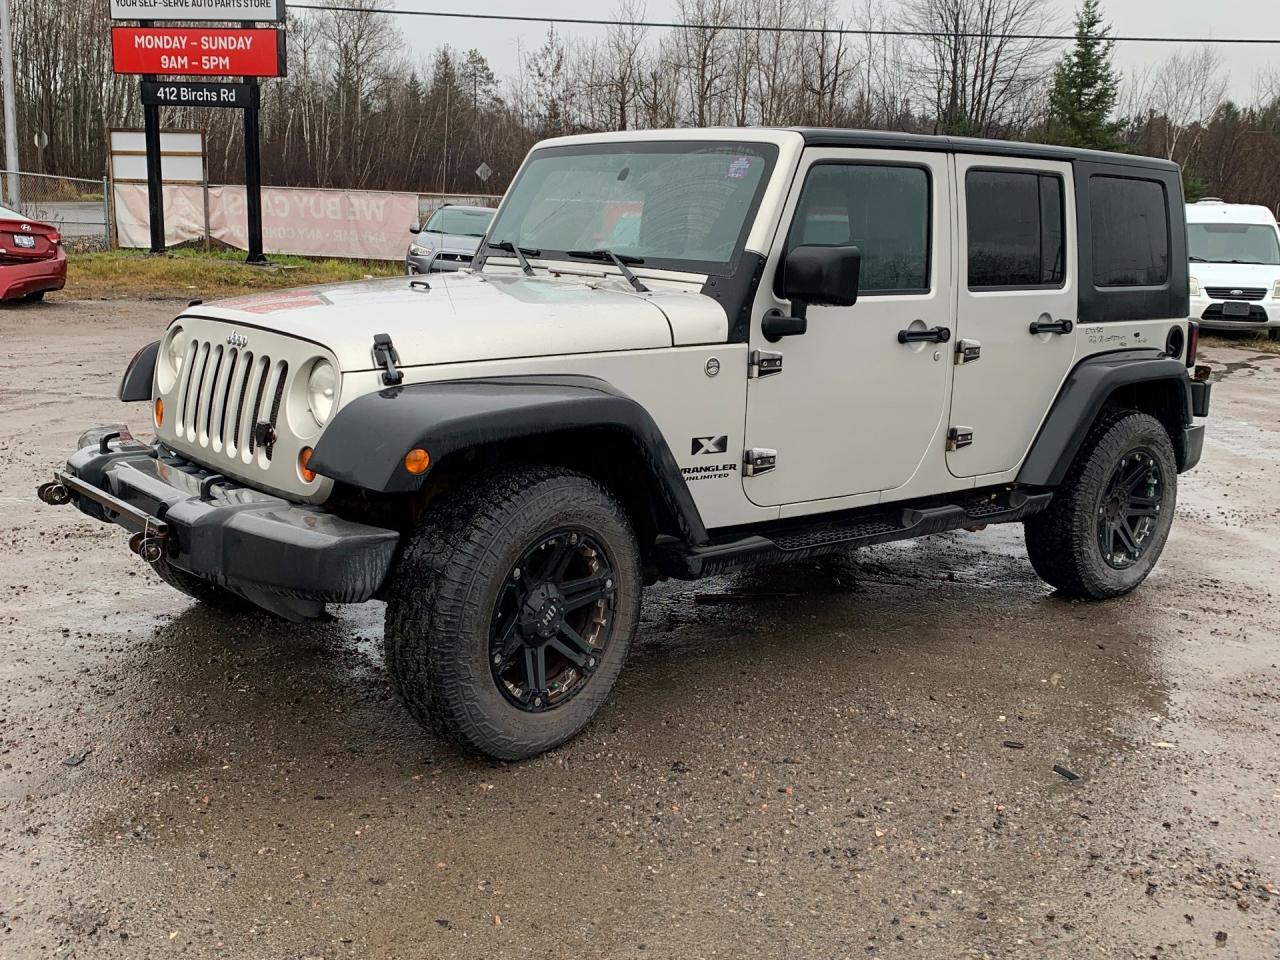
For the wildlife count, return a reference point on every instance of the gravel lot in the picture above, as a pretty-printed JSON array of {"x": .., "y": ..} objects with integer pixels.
[{"x": 802, "y": 763}]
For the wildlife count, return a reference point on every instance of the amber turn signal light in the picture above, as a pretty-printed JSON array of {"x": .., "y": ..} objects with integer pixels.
[
  {"x": 159, "y": 411},
  {"x": 416, "y": 461},
  {"x": 304, "y": 458}
]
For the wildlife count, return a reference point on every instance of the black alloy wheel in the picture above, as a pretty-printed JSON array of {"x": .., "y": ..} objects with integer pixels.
[
  {"x": 1130, "y": 508},
  {"x": 551, "y": 623}
]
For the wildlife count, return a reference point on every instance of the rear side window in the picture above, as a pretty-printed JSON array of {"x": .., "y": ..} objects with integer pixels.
[
  {"x": 883, "y": 210},
  {"x": 1015, "y": 229},
  {"x": 1130, "y": 232}
]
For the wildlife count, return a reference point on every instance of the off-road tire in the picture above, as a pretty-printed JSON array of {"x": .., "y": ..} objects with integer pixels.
[
  {"x": 209, "y": 594},
  {"x": 442, "y": 597},
  {"x": 1063, "y": 541}
]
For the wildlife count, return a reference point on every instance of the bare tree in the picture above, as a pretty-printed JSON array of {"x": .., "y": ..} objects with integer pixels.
[{"x": 974, "y": 67}]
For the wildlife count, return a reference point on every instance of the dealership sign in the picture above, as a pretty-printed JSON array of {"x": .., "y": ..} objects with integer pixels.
[
  {"x": 199, "y": 51},
  {"x": 215, "y": 10}
]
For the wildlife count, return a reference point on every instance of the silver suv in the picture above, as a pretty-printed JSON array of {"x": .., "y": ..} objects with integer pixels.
[
  {"x": 677, "y": 353},
  {"x": 449, "y": 239}
]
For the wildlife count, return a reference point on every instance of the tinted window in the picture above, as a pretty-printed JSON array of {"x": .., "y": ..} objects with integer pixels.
[
  {"x": 1130, "y": 232},
  {"x": 1015, "y": 229},
  {"x": 882, "y": 210}
]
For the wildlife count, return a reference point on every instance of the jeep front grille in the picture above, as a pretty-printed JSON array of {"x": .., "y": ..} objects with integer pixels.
[{"x": 229, "y": 399}]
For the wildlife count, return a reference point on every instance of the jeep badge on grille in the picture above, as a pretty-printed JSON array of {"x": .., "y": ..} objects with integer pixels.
[{"x": 237, "y": 340}]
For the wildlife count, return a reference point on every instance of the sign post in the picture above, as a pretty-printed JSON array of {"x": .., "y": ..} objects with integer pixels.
[
  {"x": 253, "y": 180},
  {"x": 247, "y": 51}
]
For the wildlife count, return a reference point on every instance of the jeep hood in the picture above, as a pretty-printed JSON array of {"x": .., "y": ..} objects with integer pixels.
[{"x": 466, "y": 317}]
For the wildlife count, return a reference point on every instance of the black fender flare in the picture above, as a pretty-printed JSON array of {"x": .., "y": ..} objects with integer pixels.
[
  {"x": 138, "y": 376},
  {"x": 1084, "y": 394},
  {"x": 365, "y": 444}
]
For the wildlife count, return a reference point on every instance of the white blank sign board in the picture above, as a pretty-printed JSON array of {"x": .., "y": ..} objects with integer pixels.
[{"x": 181, "y": 156}]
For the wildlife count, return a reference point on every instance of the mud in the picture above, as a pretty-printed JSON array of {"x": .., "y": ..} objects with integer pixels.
[{"x": 807, "y": 762}]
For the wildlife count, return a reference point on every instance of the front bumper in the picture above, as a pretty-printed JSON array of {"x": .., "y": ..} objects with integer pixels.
[
  {"x": 436, "y": 263},
  {"x": 1263, "y": 314},
  {"x": 288, "y": 558}
]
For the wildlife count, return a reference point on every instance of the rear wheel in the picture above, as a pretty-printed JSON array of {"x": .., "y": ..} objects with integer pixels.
[
  {"x": 1108, "y": 522},
  {"x": 1274, "y": 333},
  {"x": 32, "y": 297},
  {"x": 512, "y": 610},
  {"x": 209, "y": 594}
]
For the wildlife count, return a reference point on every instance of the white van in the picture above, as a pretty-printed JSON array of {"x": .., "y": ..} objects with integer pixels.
[{"x": 1235, "y": 266}]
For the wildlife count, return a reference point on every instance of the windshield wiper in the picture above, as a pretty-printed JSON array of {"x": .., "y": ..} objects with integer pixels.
[
  {"x": 1195, "y": 259},
  {"x": 619, "y": 260},
  {"x": 506, "y": 246}
]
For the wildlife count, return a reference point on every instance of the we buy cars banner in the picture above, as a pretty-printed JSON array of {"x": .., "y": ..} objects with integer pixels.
[{"x": 199, "y": 51}]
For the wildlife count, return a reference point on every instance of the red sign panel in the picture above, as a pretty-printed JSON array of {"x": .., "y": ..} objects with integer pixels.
[{"x": 198, "y": 51}]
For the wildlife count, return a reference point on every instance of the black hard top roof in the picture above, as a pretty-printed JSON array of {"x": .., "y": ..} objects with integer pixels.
[{"x": 889, "y": 140}]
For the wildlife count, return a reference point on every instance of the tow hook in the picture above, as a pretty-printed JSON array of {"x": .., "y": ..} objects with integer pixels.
[
  {"x": 54, "y": 493},
  {"x": 147, "y": 545}
]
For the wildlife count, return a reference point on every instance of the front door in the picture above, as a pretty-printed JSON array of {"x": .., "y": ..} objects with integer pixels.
[
  {"x": 853, "y": 410},
  {"x": 1017, "y": 302}
]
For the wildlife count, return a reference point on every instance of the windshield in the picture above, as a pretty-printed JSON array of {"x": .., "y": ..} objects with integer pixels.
[
  {"x": 673, "y": 205},
  {"x": 1233, "y": 243},
  {"x": 457, "y": 220},
  {"x": 7, "y": 214}
]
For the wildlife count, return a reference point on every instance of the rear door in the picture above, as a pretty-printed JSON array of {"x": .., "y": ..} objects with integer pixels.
[{"x": 1017, "y": 306}]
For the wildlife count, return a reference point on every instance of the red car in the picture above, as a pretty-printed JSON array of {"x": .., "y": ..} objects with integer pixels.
[{"x": 32, "y": 260}]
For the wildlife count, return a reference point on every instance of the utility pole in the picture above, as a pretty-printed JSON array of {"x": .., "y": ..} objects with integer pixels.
[{"x": 10, "y": 105}]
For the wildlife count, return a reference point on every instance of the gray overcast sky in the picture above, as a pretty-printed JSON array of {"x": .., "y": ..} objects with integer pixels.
[{"x": 1196, "y": 18}]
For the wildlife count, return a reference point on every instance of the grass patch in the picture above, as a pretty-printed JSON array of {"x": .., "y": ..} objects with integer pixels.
[
  {"x": 1245, "y": 340},
  {"x": 187, "y": 274}
]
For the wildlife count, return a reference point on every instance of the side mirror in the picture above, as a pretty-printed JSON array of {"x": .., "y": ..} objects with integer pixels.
[
  {"x": 814, "y": 275},
  {"x": 415, "y": 227}
]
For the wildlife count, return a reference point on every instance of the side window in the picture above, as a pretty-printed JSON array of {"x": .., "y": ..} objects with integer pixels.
[
  {"x": 1130, "y": 232},
  {"x": 1015, "y": 225},
  {"x": 882, "y": 210}
]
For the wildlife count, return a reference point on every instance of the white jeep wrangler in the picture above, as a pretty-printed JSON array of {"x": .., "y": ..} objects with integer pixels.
[{"x": 678, "y": 352}]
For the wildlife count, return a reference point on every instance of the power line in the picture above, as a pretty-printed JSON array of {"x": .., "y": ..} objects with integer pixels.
[{"x": 756, "y": 28}]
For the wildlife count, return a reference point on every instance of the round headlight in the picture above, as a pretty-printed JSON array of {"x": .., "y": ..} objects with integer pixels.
[
  {"x": 169, "y": 363},
  {"x": 175, "y": 351},
  {"x": 322, "y": 390}
]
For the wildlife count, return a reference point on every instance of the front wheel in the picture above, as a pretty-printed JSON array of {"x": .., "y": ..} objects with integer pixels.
[
  {"x": 512, "y": 610},
  {"x": 1108, "y": 522}
]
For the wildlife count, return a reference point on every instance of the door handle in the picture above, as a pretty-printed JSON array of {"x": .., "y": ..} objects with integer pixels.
[
  {"x": 932, "y": 335},
  {"x": 1051, "y": 326}
]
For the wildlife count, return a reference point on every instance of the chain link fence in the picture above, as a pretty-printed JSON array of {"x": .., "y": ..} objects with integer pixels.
[{"x": 80, "y": 209}]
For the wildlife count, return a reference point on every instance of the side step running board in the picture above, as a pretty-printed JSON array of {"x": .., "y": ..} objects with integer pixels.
[{"x": 815, "y": 538}]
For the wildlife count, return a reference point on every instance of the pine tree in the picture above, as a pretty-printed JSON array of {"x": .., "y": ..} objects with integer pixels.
[{"x": 1085, "y": 87}]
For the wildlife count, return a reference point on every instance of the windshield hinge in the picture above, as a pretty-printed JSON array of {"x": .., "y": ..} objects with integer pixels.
[
  {"x": 385, "y": 356},
  {"x": 764, "y": 363}
]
